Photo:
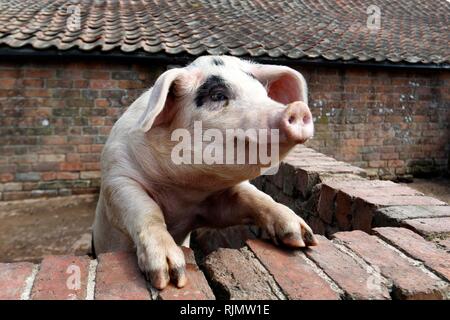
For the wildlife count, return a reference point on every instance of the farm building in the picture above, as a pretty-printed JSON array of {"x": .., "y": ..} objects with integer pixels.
[{"x": 379, "y": 81}]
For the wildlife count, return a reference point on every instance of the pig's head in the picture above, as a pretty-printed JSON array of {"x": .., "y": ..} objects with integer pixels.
[{"x": 225, "y": 93}]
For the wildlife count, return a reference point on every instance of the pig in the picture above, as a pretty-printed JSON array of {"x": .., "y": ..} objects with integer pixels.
[{"x": 149, "y": 205}]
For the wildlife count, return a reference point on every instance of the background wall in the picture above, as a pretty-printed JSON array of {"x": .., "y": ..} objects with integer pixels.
[
  {"x": 56, "y": 116},
  {"x": 392, "y": 121}
]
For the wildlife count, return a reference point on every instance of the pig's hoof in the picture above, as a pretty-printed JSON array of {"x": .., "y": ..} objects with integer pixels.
[
  {"x": 161, "y": 261},
  {"x": 293, "y": 232}
]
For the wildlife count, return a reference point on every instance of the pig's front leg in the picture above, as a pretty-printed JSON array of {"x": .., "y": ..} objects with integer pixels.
[
  {"x": 244, "y": 204},
  {"x": 159, "y": 257}
]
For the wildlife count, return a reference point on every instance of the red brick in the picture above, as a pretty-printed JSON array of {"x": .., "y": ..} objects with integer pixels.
[
  {"x": 130, "y": 84},
  {"x": 102, "y": 103},
  {"x": 197, "y": 287},
  {"x": 39, "y": 73},
  {"x": 103, "y": 84},
  {"x": 430, "y": 227},
  {"x": 61, "y": 278},
  {"x": 7, "y": 83},
  {"x": 80, "y": 83},
  {"x": 13, "y": 279},
  {"x": 33, "y": 83},
  {"x": 6, "y": 177},
  {"x": 118, "y": 278},
  {"x": 70, "y": 166},
  {"x": 294, "y": 275},
  {"x": 418, "y": 248},
  {"x": 416, "y": 285},
  {"x": 345, "y": 271},
  {"x": 47, "y": 176},
  {"x": 54, "y": 140},
  {"x": 67, "y": 175},
  {"x": 237, "y": 276},
  {"x": 393, "y": 200}
]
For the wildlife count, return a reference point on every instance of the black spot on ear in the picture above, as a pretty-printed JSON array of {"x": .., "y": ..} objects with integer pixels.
[{"x": 218, "y": 62}]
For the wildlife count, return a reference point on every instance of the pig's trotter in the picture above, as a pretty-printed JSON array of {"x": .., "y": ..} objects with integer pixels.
[
  {"x": 160, "y": 259},
  {"x": 284, "y": 226}
]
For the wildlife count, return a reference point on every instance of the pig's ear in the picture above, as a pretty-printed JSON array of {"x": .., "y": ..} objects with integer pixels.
[
  {"x": 161, "y": 105},
  {"x": 284, "y": 84}
]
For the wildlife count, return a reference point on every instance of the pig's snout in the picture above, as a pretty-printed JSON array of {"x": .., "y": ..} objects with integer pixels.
[{"x": 296, "y": 125}]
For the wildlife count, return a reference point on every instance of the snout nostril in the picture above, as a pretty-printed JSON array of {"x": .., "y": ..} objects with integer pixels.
[
  {"x": 306, "y": 119},
  {"x": 291, "y": 119}
]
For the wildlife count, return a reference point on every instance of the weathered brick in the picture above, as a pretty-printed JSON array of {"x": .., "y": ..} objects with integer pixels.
[
  {"x": 430, "y": 227},
  {"x": 28, "y": 176},
  {"x": 12, "y": 186},
  {"x": 209, "y": 240},
  {"x": 14, "y": 278},
  {"x": 61, "y": 278},
  {"x": 417, "y": 285},
  {"x": 51, "y": 157},
  {"x": 70, "y": 166},
  {"x": 90, "y": 174},
  {"x": 238, "y": 275},
  {"x": 418, "y": 248},
  {"x": 393, "y": 200},
  {"x": 294, "y": 275},
  {"x": 67, "y": 175},
  {"x": 118, "y": 277},
  {"x": 353, "y": 278},
  {"x": 394, "y": 215}
]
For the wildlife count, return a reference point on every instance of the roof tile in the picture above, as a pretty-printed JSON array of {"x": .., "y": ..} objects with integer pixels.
[{"x": 410, "y": 31}]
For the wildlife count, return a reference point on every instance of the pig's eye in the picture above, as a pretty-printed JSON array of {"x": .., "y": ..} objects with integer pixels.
[{"x": 218, "y": 96}]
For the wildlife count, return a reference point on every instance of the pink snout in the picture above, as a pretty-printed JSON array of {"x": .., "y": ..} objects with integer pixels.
[{"x": 296, "y": 124}]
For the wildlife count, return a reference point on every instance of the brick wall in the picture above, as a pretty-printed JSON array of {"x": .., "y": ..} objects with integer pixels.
[
  {"x": 393, "y": 263},
  {"x": 334, "y": 196},
  {"x": 404, "y": 253},
  {"x": 55, "y": 117},
  {"x": 391, "y": 122}
]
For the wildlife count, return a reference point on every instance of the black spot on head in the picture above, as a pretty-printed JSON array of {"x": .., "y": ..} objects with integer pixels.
[
  {"x": 218, "y": 62},
  {"x": 212, "y": 84}
]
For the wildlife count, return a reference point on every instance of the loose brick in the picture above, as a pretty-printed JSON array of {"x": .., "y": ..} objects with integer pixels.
[
  {"x": 61, "y": 278},
  {"x": 418, "y": 248},
  {"x": 394, "y": 200},
  {"x": 237, "y": 275},
  {"x": 197, "y": 287},
  {"x": 416, "y": 285},
  {"x": 353, "y": 278},
  {"x": 119, "y": 278},
  {"x": 13, "y": 279},
  {"x": 394, "y": 215},
  {"x": 429, "y": 227},
  {"x": 294, "y": 275}
]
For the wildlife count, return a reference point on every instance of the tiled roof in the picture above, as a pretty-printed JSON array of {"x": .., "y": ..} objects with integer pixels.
[{"x": 410, "y": 31}]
